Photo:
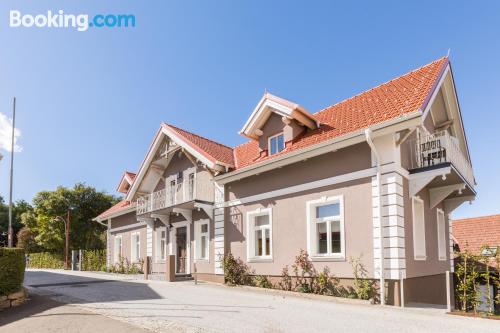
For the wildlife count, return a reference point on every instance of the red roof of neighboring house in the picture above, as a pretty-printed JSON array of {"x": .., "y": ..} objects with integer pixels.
[
  {"x": 402, "y": 95},
  {"x": 122, "y": 205},
  {"x": 475, "y": 232},
  {"x": 214, "y": 151}
]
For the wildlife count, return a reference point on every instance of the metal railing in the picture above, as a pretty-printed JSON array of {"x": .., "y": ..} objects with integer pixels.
[
  {"x": 440, "y": 147},
  {"x": 174, "y": 194}
]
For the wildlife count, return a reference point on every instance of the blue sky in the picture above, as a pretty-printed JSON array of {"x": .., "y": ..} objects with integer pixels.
[{"x": 90, "y": 102}]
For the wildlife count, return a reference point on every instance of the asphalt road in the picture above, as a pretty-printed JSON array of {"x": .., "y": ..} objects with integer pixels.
[{"x": 185, "y": 307}]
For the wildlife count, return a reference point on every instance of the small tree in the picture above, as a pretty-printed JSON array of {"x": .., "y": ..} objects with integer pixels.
[
  {"x": 26, "y": 240},
  {"x": 467, "y": 275},
  {"x": 362, "y": 286},
  {"x": 304, "y": 271}
]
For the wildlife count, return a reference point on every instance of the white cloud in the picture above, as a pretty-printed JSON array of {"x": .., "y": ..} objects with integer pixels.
[{"x": 6, "y": 134}]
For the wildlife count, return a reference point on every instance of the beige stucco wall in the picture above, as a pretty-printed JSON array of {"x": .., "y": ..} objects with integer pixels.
[
  {"x": 125, "y": 220},
  {"x": 432, "y": 265},
  {"x": 289, "y": 220}
]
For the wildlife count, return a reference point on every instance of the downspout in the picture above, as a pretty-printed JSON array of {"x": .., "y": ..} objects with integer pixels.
[{"x": 368, "y": 135}]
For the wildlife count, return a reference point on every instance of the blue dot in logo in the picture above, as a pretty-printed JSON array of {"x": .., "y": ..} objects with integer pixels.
[{"x": 91, "y": 24}]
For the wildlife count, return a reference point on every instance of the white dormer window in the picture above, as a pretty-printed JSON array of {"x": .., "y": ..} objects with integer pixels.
[{"x": 276, "y": 143}]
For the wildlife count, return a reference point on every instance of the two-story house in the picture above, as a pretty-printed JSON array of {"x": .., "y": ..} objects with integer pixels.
[{"x": 375, "y": 176}]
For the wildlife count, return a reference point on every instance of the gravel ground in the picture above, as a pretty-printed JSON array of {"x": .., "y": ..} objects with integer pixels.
[{"x": 185, "y": 307}]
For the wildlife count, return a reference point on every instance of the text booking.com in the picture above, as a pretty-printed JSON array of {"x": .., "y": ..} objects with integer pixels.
[{"x": 80, "y": 22}]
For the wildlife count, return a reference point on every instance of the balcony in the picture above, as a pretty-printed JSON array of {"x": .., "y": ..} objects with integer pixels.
[
  {"x": 176, "y": 194},
  {"x": 432, "y": 151}
]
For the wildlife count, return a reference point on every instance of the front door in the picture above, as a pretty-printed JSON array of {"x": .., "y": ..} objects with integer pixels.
[{"x": 181, "y": 249}]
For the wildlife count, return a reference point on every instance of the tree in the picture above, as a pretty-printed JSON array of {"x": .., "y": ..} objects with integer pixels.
[
  {"x": 18, "y": 208},
  {"x": 26, "y": 240},
  {"x": 83, "y": 202}
]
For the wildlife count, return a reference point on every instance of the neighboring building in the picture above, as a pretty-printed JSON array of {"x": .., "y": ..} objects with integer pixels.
[
  {"x": 376, "y": 176},
  {"x": 474, "y": 233},
  {"x": 479, "y": 235}
]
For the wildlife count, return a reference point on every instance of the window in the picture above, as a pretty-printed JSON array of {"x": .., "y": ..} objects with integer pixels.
[
  {"x": 191, "y": 186},
  {"x": 441, "y": 234},
  {"x": 202, "y": 240},
  {"x": 135, "y": 247},
  {"x": 276, "y": 143},
  {"x": 171, "y": 192},
  {"x": 326, "y": 228},
  {"x": 259, "y": 234},
  {"x": 418, "y": 229},
  {"x": 161, "y": 249},
  {"x": 118, "y": 249}
]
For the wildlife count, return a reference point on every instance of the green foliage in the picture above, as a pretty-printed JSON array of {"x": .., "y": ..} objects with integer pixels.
[
  {"x": 262, "y": 281},
  {"x": 18, "y": 208},
  {"x": 286, "y": 280},
  {"x": 26, "y": 240},
  {"x": 94, "y": 260},
  {"x": 84, "y": 203},
  {"x": 235, "y": 270},
  {"x": 467, "y": 275},
  {"x": 125, "y": 267},
  {"x": 46, "y": 260},
  {"x": 305, "y": 272},
  {"x": 12, "y": 264},
  {"x": 363, "y": 287},
  {"x": 325, "y": 283}
]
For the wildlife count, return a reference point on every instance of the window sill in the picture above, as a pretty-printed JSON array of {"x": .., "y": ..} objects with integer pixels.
[
  {"x": 423, "y": 258},
  {"x": 160, "y": 261},
  {"x": 256, "y": 259},
  {"x": 327, "y": 258},
  {"x": 202, "y": 260},
  {"x": 443, "y": 259}
]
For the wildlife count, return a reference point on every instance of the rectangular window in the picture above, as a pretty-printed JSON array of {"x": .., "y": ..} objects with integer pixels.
[
  {"x": 191, "y": 186},
  {"x": 276, "y": 143},
  {"x": 118, "y": 249},
  {"x": 202, "y": 240},
  {"x": 441, "y": 234},
  {"x": 161, "y": 249},
  {"x": 418, "y": 229},
  {"x": 326, "y": 224},
  {"x": 171, "y": 193},
  {"x": 259, "y": 227},
  {"x": 135, "y": 247}
]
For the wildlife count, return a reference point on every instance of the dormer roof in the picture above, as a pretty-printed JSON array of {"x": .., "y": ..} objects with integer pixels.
[
  {"x": 126, "y": 181},
  {"x": 273, "y": 104}
]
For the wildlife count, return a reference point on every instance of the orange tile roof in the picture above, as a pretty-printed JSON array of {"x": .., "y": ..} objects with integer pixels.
[
  {"x": 389, "y": 100},
  {"x": 214, "y": 151},
  {"x": 131, "y": 175},
  {"x": 122, "y": 205},
  {"x": 475, "y": 232}
]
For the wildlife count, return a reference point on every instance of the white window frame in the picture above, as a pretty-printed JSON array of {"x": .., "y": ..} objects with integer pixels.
[
  {"x": 311, "y": 228},
  {"x": 197, "y": 240},
  {"x": 250, "y": 226},
  {"x": 441, "y": 235},
  {"x": 417, "y": 243},
  {"x": 159, "y": 230},
  {"x": 185, "y": 191},
  {"x": 116, "y": 254},
  {"x": 269, "y": 143},
  {"x": 133, "y": 247}
]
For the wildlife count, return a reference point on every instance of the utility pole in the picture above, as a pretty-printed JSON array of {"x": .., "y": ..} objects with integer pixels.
[{"x": 11, "y": 231}]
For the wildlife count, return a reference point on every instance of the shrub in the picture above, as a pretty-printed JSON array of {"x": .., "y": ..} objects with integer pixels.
[
  {"x": 46, "y": 260},
  {"x": 305, "y": 272},
  {"x": 235, "y": 270},
  {"x": 286, "y": 280},
  {"x": 363, "y": 288},
  {"x": 94, "y": 260},
  {"x": 262, "y": 281},
  {"x": 125, "y": 267},
  {"x": 12, "y": 264},
  {"x": 467, "y": 275},
  {"x": 325, "y": 283}
]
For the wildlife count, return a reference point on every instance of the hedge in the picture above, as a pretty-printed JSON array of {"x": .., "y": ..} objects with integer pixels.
[
  {"x": 46, "y": 260},
  {"x": 12, "y": 264},
  {"x": 94, "y": 260}
]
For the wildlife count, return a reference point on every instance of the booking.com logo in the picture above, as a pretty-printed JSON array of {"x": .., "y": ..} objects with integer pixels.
[{"x": 81, "y": 22}]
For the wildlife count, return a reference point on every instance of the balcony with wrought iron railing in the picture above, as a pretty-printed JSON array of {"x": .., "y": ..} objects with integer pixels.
[
  {"x": 433, "y": 150},
  {"x": 177, "y": 193}
]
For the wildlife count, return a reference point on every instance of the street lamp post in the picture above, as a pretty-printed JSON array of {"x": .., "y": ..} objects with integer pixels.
[{"x": 67, "y": 224}]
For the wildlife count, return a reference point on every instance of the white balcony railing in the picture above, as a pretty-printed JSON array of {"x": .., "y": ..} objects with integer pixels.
[
  {"x": 439, "y": 148},
  {"x": 174, "y": 194}
]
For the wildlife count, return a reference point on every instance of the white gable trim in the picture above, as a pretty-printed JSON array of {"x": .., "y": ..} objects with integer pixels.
[{"x": 165, "y": 131}]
